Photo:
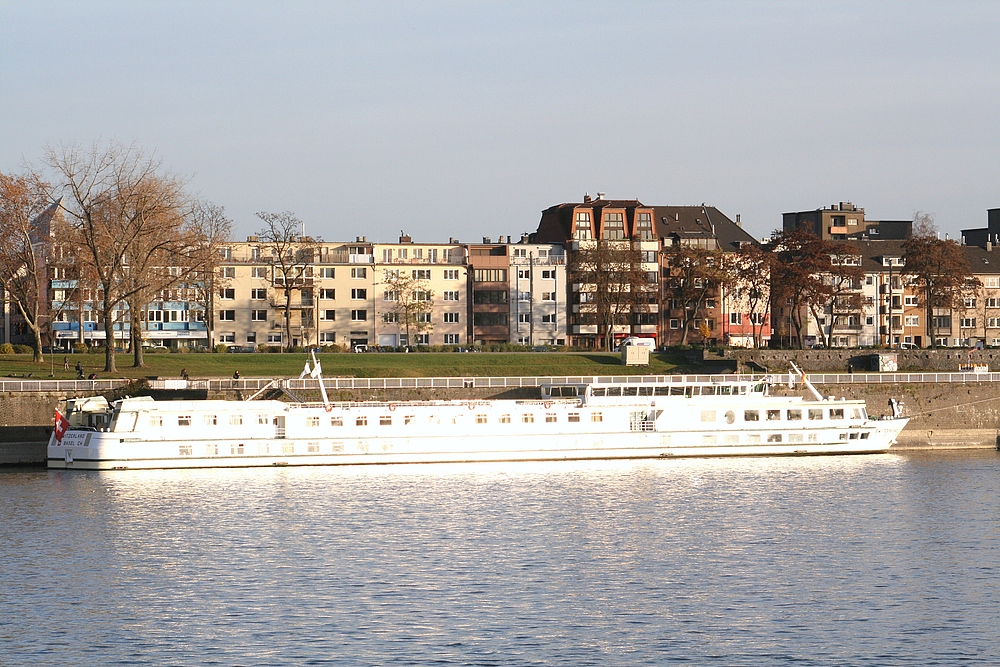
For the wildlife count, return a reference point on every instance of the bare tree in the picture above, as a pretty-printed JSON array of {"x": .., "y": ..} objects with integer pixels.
[
  {"x": 212, "y": 230},
  {"x": 24, "y": 248},
  {"x": 409, "y": 303},
  {"x": 924, "y": 225},
  {"x": 116, "y": 200},
  {"x": 292, "y": 254},
  {"x": 943, "y": 272},
  {"x": 616, "y": 284},
  {"x": 750, "y": 270},
  {"x": 695, "y": 276}
]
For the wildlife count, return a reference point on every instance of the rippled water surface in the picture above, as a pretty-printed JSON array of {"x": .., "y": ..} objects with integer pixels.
[{"x": 865, "y": 560}]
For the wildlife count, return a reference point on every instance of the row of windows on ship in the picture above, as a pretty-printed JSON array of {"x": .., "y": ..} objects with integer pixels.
[
  {"x": 664, "y": 390},
  {"x": 730, "y": 417}
]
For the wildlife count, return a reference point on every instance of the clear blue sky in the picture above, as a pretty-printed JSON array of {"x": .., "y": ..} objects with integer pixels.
[{"x": 466, "y": 119}]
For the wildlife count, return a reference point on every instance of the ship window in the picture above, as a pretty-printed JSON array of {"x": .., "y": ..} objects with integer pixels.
[
  {"x": 385, "y": 420},
  {"x": 645, "y": 391},
  {"x": 856, "y": 414},
  {"x": 743, "y": 391},
  {"x": 528, "y": 418},
  {"x": 337, "y": 448},
  {"x": 212, "y": 449},
  {"x": 504, "y": 419},
  {"x": 264, "y": 448},
  {"x": 843, "y": 436},
  {"x": 312, "y": 447},
  {"x": 708, "y": 391},
  {"x": 708, "y": 415},
  {"x": 815, "y": 414},
  {"x": 597, "y": 391},
  {"x": 630, "y": 391},
  {"x": 753, "y": 439},
  {"x": 336, "y": 421},
  {"x": 210, "y": 420},
  {"x": 677, "y": 391},
  {"x": 236, "y": 448},
  {"x": 813, "y": 437},
  {"x": 725, "y": 391},
  {"x": 235, "y": 420},
  {"x": 183, "y": 420},
  {"x": 361, "y": 420},
  {"x": 573, "y": 417},
  {"x": 480, "y": 419},
  {"x": 854, "y": 435},
  {"x": 794, "y": 415},
  {"x": 614, "y": 391},
  {"x": 596, "y": 417},
  {"x": 550, "y": 417},
  {"x": 660, "y": 391},
  {"x": 156, "y": 420},
  {"x": 690, "y": 391},
  {"x": 312, "y": 422},
  {"x": 773, "y": 415},
  {"x": 864, "y": 436},
  {"x": 732, "y": 438},
  {"x": 774, "y": 437},
  {"x": 794, "y": 437},
  {"x": 262, "y": 419},
  {"x": 288, "y": 448},
  {"x": 751, "y": 416},
  {"x": 184, "y": 450},
  {"x": 409, "y": 419},
  {"x": 730, "y": 417},
  {"x": 709, "y": 439},
  {"x": 836, "y": 413}
]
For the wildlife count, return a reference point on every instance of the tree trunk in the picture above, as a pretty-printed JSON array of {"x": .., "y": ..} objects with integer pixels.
[
  {"x": 135, "y": 334},
  {"x": 288, "y": 319},
  {"x": 37, "y": 332},
  {"x": 109, "y": 341}
]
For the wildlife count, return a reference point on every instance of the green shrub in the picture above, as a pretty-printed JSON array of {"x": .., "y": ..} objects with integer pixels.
[
  {"x": 79, "y": 348},
  {"x": 23, "y": 349},
  {"x": 220, "y": 348},
  {"x": 6, "y": 348}
]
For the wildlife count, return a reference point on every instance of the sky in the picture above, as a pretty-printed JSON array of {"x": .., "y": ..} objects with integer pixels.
[{"x": 467, "y": 119}]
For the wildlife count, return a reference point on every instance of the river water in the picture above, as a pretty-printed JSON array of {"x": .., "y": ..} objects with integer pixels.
[{"x": 859, "y": 560}]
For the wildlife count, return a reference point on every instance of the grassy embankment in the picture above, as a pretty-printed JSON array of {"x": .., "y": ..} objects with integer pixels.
[{"x": 445, "y": 364}]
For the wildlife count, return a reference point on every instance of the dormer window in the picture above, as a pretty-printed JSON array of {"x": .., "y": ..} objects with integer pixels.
[
  {"x": 614, "y": 227},
  {"x": 644, "y": 226}
]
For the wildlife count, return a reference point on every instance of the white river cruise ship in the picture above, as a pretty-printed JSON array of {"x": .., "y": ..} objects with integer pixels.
[{"x": 599, "y": 420}]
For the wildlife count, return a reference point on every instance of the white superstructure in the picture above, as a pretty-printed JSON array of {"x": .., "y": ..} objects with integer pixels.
[{"x": 637, "y": 419}]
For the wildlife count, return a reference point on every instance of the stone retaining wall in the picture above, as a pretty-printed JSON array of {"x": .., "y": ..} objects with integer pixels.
[{"x": 945, "y": 360}]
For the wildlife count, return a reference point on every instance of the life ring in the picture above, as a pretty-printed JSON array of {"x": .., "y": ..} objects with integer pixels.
[
  {"x": 548, "y": 404},
  {"x": 328, "y": 408},
  {"x": 472, "y": 406},
  {"x": 392, "y": 406}
]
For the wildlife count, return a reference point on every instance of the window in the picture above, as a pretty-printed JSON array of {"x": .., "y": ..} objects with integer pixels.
[
  {"x": 549, "y": 319},
  {"x": 421, "y": 274},
  {"x": 911, "y": 321},
  {"x": 422, "y": 339},
  {"x": 969, "y": 303},
  {"x": 644, "y": 226},
  {"x": 489, "y": 319},
  {"x": 504, "y": 419},
  {"x": 424, "y": 317},
  {"x": 708, "y": 415},
  {"x": 328, "y": 272},
  {"x": 227, "y": 315},
  {"x": 451, "y": 339},
  {"x": 911, "y": 301},
  {"x": 815, "y": 414},
  {"x": 481, "y": 419},
  {"x": 793, "y": 415},
  {"x": 523, "y": 274},
  {"x": 596, "y": 417},
  {"x": 183, "y": 420},
  {"x": 675, "y": 324},
  {"x": 258, "y": 272},
  {"x": 390, "y": 295},
  {"x": 524, "y": 318},
  {"x": 228, "y": 294},
  {"x": 328, "y": 315},
  {"x": 385, "y": 420},
  {"x": 836, "y": 413},
  {"x": 582, "y": 229},
  {"x": 228, "y": 271},
  {"x": 258, "y": 315},
  {"x": 550, "y": 418},
  {"x": 548, "y": 296},
  {"x": 614, "y": 226},
  {"x": 274, "y": 338},
  {"x": 451, "y": 318},
  {"x": 359, "y": 315},
  {"x": 967, "y": 322},
  {"x": 258, "y": 294},
  {"x": 527, "y": 418},
  {"x": 359, "y": 294},
  {"x": 421, "y": 295},
  {"x": 489, "y": 296},
  {"x": 451, "y": 274},
  {"x": 328, "y": 337},
  {"x": 736, "y": 318},
  {"x": 490, "y": 275},
  {"x": 390, "y": 318},
  {"x": 548, "y": 274},
  {"x": 773, "y": 415},
  {"x": 450, "y": 295},
  {"x": 228, "y": 337},
  {"x": 359, "y": 272},
  {"x": 751, "y": 416},
  {"x": 361, "y": 420},
  {"x": 328, "y": 293}
]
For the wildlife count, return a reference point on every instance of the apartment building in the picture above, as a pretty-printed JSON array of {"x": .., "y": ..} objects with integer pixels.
[
  {"x": 538, "y": 288},
  {"x": 843, "y": 221}
]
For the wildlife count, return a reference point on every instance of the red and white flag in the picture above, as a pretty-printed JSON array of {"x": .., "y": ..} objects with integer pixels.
[{"x": 62, "y": 425}]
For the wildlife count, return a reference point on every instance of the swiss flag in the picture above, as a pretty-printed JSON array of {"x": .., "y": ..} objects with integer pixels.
[{"x": 62, "y": 425}]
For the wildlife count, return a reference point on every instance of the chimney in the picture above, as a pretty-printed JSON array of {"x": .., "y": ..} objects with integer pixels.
[
  {"x": 252, "y": 239},
  {"x": 405, "y": 238},
  {"x": 738, "y": 223},
  {"x": 586, "y": 198},
  {"x": 600, "y": 195},
  {"x": 487, "y": 239},
  {"x": 524, "y": 237},
  {"x": 989, "y": 247},
  {"x": 361, "y": 239}
]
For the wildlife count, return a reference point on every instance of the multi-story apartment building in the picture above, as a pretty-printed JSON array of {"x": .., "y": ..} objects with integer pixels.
[
  {"x": 845, "y": 221},
  {"x": 538, "y": 293}
]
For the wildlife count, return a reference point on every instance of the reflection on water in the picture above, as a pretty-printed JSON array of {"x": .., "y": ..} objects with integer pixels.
[{"x": 828, "y": 560}]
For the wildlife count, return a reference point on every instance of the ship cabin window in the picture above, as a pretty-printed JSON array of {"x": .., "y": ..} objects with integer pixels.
[
  {"x": 709, "y": 439},
  {"x": 690, "y": 391},
  {"x": 725, "y": 390},
  {"x": 794, "y": 437},
  {"x": 773, "y": 415},
  {"x": 645, "y": 391},
  {"x": 288, "y": 448},
  {"x": 550, "y": 417},
  {"x": 527, "y": 418},
  {"x": 708, "y": 391},
  {"x": 708, "y": 415},
  {"x": 730, "y": 417},
  {"x": 312, "y": 422},
  {"x": 361, "y": 420},
  {"x": 236, "y": 420},
  {"x": 774, "y": 437},
  {"x": 856, "y": 413},
  {"x": 751, "y": 416},
  {"x": 813, "y": 437},
  {"x": 183, "y": 420},
  {"x": 211, "y": 420},
  {"x": 504, "y": 419},
  {"x": 843, "y": 436},
  {"x": 262, "y": 419},
  {"x": 562, "y": 391},
  {"x": 630, "y": 391},
  {"x": 409, "y": 419},
  {"x": 753, "y": 438},
  {"x": 677, "y": 391},
  {"x": 793, "y": 415},
  {"x": 480, "y": 419},
  {"x": 385, "y": 420},
  {"x": 236, "y": 448},
  {"x": 836, "y": 413},
  {"x": 732, "y": 438},
  {"x": 864, "y": 436},
  {"x": 614, "y": 391},
  {"x": 815, "y": 414},
  {"x": 661, "y": 391},
  {"x": 336, "y": 421},
  {"x": 184, "y": 450},
  {"x": 854, "y": 435},
  {"x": 758, "y": 388},
  {"x": 312, "y": 447},
  {"x": 597, "y": 391},
  {"x": 573, "y": 417},
  {"x": 156, "y": 420},
  {"x": 212, "y": 449},
  {"x": 596, "y": 417}
]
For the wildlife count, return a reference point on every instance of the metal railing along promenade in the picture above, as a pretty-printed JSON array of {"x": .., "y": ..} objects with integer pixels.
[{"x": 84, "y": 387}]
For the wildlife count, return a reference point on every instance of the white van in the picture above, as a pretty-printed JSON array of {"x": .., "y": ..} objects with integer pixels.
[{"x": 641, "y": 342}]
